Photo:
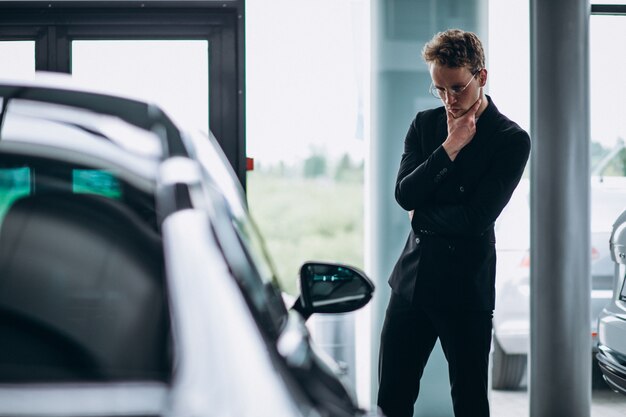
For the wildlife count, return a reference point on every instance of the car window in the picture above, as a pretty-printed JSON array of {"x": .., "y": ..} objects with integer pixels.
[
  {"x": 607, "y": 203},
  {"x": 271, "y": 299},
  {"x": 216, "y": 165},
  {"x": 616, "y": 167},
  {"x": 262, "y": 287},
  {"x": 82, "y": 295},
  {"x": 247, "y": 265}
]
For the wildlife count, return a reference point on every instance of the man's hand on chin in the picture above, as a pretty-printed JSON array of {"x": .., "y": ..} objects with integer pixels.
[{"x": 461, "y": 130}]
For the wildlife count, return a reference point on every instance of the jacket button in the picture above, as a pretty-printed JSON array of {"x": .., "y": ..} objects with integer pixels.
[
  {"x": 417, "y": 240},
  {"x": 462, "y": 189}
]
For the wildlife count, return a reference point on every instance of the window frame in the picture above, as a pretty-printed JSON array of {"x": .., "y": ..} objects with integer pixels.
[
  {"x": 54, "y": 25},
  {"x": 608, "y": 9}
]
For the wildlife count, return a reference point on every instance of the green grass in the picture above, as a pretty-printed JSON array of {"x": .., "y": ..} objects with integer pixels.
[{"x": 307, "y": 219}]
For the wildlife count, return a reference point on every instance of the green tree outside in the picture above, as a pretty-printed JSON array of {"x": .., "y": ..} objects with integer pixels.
[{"x": 305, "y": 219}]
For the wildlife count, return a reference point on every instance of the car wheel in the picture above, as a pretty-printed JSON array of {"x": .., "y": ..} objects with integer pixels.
[{"x": 508, "y": 370}]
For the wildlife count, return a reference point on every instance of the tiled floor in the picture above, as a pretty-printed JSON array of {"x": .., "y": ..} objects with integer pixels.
[{"x": 604, "y": 403}]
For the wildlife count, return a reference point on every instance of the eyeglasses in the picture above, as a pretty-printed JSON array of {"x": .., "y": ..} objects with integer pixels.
[{"x": 454, "y": 91}]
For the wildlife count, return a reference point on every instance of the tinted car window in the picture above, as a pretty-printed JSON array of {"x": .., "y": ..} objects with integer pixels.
[
  {"x": 255, "y": 249},
  {"x": 616, "y": 166},
  {"x": 82, "y": 295},
  {"x": 262, "y": 286}
]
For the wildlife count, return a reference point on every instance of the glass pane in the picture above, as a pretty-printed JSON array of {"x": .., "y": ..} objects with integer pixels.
[
  {"x": 616, "y": 165},
  {"x": 304, "y": 126},
  {"x": 608, "y": 86},
  {"x": 172, "y": 72},
  {"x": 509, "y": 60},
  {"x": 607, "y": 57},
  {"x": 17, "y": 58}
]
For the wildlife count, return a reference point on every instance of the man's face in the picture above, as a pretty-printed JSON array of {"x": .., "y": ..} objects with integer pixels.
[{"x": 448, "y": 80}]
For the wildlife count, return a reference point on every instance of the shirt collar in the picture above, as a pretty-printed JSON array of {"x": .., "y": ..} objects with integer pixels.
[{"x": 489, "y": 114}]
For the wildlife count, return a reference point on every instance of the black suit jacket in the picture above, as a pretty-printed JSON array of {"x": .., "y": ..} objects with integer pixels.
[{"x": 449, "y": 258}]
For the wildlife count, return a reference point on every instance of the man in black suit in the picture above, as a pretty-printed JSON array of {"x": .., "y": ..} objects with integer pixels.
[{"x": 460, "y": 165}]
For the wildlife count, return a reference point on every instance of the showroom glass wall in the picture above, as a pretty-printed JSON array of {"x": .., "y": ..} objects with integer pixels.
[
  {"x": 132, "y": 67},
  {"x": 17, "y": 58},
  {"x": 291, "y": 156},
  {"x": 306, "y": 76},
  {"x": 509, "y": 82},
  {"x": 306, "y": 82},
  {"x": 174, "y": 72}
]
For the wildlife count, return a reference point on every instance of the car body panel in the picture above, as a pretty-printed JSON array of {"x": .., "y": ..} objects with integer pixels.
[
  {"x": 143, "y": 398},
  {"x": 204, "y": 296},
  {"x": 611, "y": 354},
  {"x": 612, "y": 333}
]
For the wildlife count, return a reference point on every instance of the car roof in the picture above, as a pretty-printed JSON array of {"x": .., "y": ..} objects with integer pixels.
[
  {"x": 54, "y": 116},
  {"x": 63, "y": 91}
]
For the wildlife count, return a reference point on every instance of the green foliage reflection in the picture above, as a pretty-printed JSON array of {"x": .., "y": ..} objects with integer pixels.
[
  {"x": 14, "y": 183},
  {"x": 96, "y": 182}
]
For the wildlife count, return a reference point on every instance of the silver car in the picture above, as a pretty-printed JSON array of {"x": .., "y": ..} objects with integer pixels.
[
  {"x": 133, "y": 282},
  {"x": 612, "y": 321},
  {"x": 512, "y": 313}
]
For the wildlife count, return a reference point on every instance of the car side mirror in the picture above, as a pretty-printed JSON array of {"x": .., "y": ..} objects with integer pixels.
[{"x": 332, "y": 288}]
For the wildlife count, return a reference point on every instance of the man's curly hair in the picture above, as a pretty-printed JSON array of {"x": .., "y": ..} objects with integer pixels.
[{"x": 455, "y": 48}]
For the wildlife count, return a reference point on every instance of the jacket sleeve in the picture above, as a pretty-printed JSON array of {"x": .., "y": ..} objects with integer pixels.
[
  {"x": 475, "y": 216},
  {"x": 420, "y": 174}
]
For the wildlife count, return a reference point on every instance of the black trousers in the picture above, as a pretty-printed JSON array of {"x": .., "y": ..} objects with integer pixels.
[{"x": 408, "y": 337}]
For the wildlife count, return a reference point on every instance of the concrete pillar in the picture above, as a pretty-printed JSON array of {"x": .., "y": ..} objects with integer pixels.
[{"x": 560, "y": 355}]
